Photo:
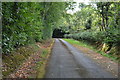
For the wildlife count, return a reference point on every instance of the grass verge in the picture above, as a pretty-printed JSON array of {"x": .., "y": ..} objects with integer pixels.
[
  {"x": 41, "y": 65},
  {"x": 84, "y": 44}
]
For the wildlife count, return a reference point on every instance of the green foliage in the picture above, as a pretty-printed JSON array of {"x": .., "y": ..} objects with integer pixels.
[
  {"x": 102, "y": 20},
  {"x": 25, "y": 23},
  {"x": 110, "y": 37},
  {"x": 113, "y": 36},
  {"x": 19, "y": 24},
  {"x": 51, "y": 17},
  {"x": 85, "y": 35}
]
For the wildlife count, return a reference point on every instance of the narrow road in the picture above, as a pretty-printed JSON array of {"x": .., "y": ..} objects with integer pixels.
[{"x": 68, "y": 62}]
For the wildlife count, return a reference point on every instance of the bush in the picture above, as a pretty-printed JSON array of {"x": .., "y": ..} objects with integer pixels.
[
  {"x": 110, "y": 36},
  {"x": 113, "y": 36},
  {"x": 85, "y": 35}
]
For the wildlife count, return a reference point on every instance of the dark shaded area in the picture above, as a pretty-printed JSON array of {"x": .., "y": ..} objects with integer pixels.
[
  {"x": 88, "y": 24},
  {"x": 58, "y": 33}
]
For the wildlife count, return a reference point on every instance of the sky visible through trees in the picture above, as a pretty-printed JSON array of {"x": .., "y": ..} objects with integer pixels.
[{"x": 29, "y": 22}]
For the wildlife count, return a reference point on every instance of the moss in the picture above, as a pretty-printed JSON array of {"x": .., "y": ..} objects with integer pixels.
[
  {"x": 42, "y": 64},
  {"x": 41, "y": 70},
  {"x": 44, "y": 53}
]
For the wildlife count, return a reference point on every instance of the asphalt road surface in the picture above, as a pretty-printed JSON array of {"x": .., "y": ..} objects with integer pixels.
[{"x": 68, "y": 62}]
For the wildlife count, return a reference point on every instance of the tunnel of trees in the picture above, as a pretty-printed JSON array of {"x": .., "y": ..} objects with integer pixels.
[
  {"x": 30, "y": 22},
  {"x": 34, "y": 23},
  {"x": 58, "y": 33}
]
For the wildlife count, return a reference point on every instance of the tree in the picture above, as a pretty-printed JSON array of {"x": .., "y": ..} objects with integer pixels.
[
  {"x": 21, "y": 24},
  {"x": 25, "y": 23},
  {"x": 51, "y": 13},
  {"x": 103, "y": 9}
]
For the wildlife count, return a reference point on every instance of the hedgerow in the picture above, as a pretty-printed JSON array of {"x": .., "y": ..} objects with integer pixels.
[{"x": 109, "y": 37}]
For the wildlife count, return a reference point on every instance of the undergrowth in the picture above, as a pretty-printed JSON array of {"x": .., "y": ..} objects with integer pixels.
[{"x": 12, "y": 61}]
